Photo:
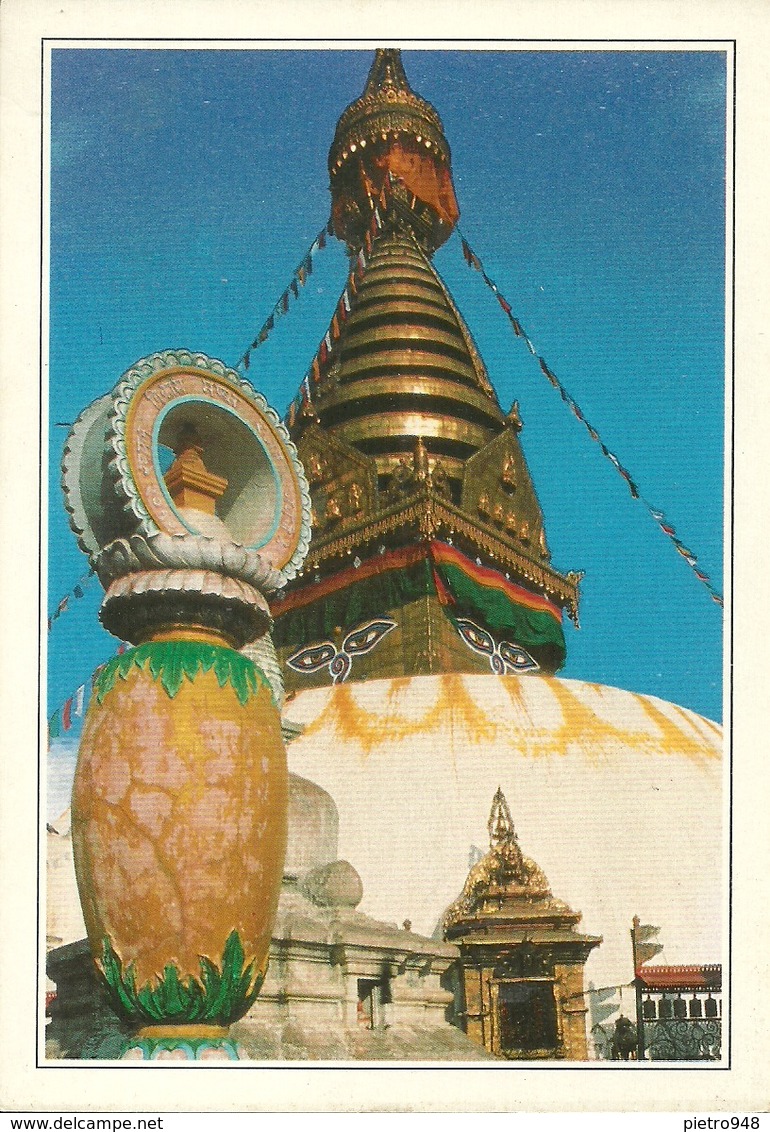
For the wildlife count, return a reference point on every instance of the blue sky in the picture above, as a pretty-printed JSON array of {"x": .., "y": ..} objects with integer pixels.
[{"x": 187, "y": 185}]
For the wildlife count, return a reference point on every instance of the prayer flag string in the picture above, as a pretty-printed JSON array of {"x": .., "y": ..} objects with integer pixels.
[
  {"x": 77, "y": 592},
  {"x": 300, "y": 276},
  {"x": 302, "y": 403},
  {"x": 62, "y": 720},
  {"x": 666, "y": 527}
]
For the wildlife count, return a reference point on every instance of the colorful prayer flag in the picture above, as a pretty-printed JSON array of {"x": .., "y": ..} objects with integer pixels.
[
  {"x": 79, "y": 698},
  {"x": 78, "y": 591},
  {"x": 631, "y": 485},
  {"x": 551, "y": 376},
  {"x": 688, "y": 555},
  {"x": 66, "y": 715},
  {"x": 54, "y": 725}
]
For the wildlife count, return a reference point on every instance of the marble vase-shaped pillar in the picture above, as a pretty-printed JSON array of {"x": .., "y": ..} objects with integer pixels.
[{"x": 180, "y": 797}]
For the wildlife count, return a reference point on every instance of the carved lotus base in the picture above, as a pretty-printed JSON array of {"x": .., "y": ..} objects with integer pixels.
[{"x": 183, "y": 1043}]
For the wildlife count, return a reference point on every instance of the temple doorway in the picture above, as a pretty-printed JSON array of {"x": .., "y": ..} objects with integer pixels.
[{"x": 526, "y": 1015}]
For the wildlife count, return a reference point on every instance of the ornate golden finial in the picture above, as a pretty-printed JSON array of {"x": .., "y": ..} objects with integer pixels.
[
  {"x": 514, "y": 417},
  {"x": 390, "y": 132},
  {"x": 387, "y": 70},
  {"x": 500, "y": 824},
  {"x": 420, "y": 461},
  {"x": 189, "y": 482}
]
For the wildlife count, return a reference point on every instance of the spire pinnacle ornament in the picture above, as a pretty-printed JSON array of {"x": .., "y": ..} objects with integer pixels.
[{"x": 390, "y": 134}]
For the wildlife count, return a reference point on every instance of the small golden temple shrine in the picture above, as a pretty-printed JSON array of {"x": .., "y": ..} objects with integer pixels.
[
  {"x": 429, "y": 553},
  {"x": 521, "y": 958}
]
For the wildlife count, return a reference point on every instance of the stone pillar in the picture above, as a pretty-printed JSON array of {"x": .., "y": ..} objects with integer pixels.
[
  {"x": 572, "y": 1010},
  {"x": 180, "y": 797}
]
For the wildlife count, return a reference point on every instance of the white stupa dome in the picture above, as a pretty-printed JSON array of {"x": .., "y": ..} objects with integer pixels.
[{"x": 617, "y": 796}]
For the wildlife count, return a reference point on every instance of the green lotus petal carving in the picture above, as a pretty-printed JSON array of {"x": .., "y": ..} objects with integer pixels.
[
  {"x": 219, "y": 997},
  {"x": 173, "y": 662}
]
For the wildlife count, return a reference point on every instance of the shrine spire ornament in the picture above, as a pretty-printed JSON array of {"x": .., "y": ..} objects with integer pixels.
[
  {"x": 500, "y": 824},
  {"x": 391, "y": 133}
]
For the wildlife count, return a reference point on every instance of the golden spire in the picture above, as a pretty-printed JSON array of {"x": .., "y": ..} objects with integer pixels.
[{"x": 390, "y": 130}]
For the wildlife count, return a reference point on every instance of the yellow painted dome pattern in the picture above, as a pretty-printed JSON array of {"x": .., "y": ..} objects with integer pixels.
[{"x": 617, "y": 796}]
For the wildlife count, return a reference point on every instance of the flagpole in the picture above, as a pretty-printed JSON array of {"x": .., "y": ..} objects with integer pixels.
[{"x": 638, "y": 991}]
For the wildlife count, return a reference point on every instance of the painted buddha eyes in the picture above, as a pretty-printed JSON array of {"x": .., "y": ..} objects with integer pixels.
[
  {"x": 503, "y": 657},
  {"x": 312, "y": 659},
  {"x": 360, "y": 640},
  {"x": 364, "y": 639}
]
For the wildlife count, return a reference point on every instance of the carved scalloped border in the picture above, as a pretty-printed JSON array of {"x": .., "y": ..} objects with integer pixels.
[
  {"x": 70, "y": 477},
  {"x": 118, "y": 465}
]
